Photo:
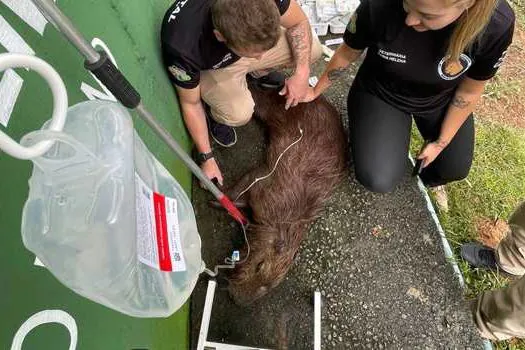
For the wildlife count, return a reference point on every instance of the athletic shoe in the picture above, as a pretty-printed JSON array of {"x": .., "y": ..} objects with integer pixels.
[
  {"x": 478, "y": 255},
  {"x": 440, "y": 195},
  {"x": 223, "y": 134}
]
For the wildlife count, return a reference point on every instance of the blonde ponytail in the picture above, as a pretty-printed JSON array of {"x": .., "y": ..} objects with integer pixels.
[{"x": 470, "y": 25}]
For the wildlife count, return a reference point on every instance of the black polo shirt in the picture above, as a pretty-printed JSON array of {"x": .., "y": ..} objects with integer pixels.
[
  {"x": 189, "y": 44},
  {"x": 408, "y": 69}
]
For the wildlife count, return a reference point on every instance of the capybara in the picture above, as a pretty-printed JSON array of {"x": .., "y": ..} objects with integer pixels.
[{"x": 286, "y": 203}]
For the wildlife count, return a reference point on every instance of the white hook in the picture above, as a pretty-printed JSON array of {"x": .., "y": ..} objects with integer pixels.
[{"x": 60, "y": 103}]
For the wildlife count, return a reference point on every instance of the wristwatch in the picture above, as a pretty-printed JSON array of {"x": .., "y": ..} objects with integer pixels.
[{"x": 202, "y": 157}]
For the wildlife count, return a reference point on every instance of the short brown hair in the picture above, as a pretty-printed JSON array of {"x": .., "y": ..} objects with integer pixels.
[{"x": 247, "y": 24}]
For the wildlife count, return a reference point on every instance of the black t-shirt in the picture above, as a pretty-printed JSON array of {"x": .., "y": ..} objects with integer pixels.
[
  {"x": 189, "y": 44},
  {"x": 407, "y": 69}
]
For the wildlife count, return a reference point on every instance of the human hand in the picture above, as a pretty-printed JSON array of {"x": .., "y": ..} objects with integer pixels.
[
  {"x": 430, "y": 152},
  {"x": 212, "y": 171},
  {"x": 295, "y": 89},
  {"x": 309, "y": 96}
]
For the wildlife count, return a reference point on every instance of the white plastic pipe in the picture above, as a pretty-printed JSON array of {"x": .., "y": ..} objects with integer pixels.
[
  {"x": 60, "y": 103},
  {"x": 317, "y": 321},
  {"x": 206, "y": 315}
]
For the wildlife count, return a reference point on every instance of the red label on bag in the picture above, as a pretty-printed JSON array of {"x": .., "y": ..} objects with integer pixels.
[
  {"x": 158, "y": 234},
  {"x": 162, "y": 232}
]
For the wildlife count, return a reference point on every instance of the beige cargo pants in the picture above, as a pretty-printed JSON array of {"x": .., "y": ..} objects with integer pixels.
[
  {"x": 500, "y": 314},
  {"x": 226, "y": 91}
]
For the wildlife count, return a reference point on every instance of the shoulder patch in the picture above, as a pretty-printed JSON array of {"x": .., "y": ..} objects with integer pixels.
[
  {"x": 179, "y": 74},
  {"x": 450, "y": 70}
]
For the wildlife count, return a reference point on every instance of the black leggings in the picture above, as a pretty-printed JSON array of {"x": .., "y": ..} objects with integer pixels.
[{"x": 380, "y": 137}]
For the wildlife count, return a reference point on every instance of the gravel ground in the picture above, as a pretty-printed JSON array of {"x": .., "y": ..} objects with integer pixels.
[{"x": 377, "y": 259}]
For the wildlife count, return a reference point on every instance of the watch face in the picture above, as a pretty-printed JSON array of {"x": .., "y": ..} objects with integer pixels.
[{"x": 205, "y": 156}]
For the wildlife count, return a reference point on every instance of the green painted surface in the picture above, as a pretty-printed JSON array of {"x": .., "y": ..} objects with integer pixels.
[{"x": 130, "y": 30}]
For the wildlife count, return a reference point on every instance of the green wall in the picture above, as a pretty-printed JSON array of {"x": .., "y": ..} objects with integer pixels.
[{"x": 130, "y": 30}]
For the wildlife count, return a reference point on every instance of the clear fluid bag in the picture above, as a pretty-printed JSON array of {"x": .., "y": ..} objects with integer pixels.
[{"x": 107, "y": 219}]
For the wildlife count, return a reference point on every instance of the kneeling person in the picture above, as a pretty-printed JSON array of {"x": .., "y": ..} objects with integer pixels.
[
  {"x": 210, "y": 45},
  {"x": 500, "y": 314}
]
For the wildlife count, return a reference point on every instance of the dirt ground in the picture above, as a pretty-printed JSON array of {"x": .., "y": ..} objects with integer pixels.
[{"x": 503, "y": 100}]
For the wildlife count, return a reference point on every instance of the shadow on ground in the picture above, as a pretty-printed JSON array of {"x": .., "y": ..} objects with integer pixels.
[{"x": 377, "y": 259}]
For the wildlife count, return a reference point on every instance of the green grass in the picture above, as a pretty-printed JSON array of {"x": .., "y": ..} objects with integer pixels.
[
  {"x": 494, "y": 187},
  {"x": 499, "y": 88}
]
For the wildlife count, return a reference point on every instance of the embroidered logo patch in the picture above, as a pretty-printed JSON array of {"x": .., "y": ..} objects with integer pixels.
[
  {"x": 450, "y": 70},
  {"x": 179, "y": 74}
]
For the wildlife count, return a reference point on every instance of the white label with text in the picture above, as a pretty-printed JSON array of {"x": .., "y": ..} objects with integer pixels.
[{"x": 158, "y": 230}]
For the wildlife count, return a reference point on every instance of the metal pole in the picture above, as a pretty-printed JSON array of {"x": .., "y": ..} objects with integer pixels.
[
  {"x": 53, "y": 14},
  {"x": 128, "y": 96},
  {"x": 166, "y": 137}
]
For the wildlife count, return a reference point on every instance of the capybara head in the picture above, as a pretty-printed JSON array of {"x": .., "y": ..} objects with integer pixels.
[{"x": 271, "y": 256}]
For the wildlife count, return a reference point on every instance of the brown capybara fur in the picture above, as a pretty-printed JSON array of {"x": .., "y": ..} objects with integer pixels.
[{"x": 285, "y": 204}]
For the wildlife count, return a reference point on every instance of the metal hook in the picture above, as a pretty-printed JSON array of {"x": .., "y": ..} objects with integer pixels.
[{"x": 60, "y": 103}]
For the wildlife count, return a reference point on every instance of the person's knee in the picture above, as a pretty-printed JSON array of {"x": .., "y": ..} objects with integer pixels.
[
  {"x": 378, "y": 183},
  {"x": 236, "y": 115}
]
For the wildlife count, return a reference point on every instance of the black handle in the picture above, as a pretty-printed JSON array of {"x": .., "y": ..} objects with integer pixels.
[
  {"x": 418, "y": 167},
  {"x": 114, "y": 80}
]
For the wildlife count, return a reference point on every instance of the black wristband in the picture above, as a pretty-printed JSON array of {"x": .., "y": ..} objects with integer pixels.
[{"x": 203, "y": 157}]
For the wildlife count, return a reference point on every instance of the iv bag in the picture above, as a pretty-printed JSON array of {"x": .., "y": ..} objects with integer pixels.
[{"x": 107, "y": 219}]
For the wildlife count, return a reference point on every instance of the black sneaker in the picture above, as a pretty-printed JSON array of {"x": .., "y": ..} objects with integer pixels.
[
  {"x": 223, "y": 134},
  {"x": 273, "y": 80},
  {"x": 478, "y": 255}
]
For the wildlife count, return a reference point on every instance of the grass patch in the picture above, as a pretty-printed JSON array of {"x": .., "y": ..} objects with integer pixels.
[
  {"x": 501, "y": 87},
  {"x": 493, "y": 189},
  {"x": 510, "y": 345}
]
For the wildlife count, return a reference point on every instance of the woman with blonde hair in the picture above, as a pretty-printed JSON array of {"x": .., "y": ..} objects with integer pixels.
[{"x": 426, "y": 59}]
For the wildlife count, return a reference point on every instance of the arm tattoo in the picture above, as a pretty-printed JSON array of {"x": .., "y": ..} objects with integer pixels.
[
  {"x": 335, "y": 74},
  {"x": 300, "y": 39},
  {"x": 460, "y": 102}
]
